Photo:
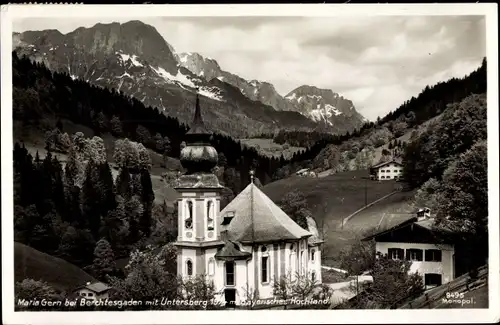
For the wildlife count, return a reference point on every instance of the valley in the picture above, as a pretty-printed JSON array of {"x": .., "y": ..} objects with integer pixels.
[{"x": 103, "y": 117}]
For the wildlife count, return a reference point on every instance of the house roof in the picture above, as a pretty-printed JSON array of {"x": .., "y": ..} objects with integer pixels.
[
  {"x": 96, "y": 287},
  {"x": 427, "y": 224},
  {"x": 395, "y": 161},
  {"x": 258, "y": 219}
]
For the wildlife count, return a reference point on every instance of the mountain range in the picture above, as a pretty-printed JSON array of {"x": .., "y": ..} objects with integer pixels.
[{"x": 135, "y": 59}]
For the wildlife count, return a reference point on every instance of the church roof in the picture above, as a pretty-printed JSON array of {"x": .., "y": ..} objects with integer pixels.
[{"x": 258, "y": 219}]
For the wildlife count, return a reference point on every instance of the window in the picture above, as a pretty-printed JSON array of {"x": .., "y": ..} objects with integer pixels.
[
  {"x": 413, "y": 254},
  {"x": 211, "y": 266},
  {"x": 396, "y": 253},
  {"x": 383, "y": 177},
  {"x": 90, "y": 294},
  {"x": 264, "y": 269},
  {"x": 433, "y": 255},
  {"x": 312, "y": 254},
  {"x": 313, "y": 276},
  {"x": 432, "y": 279},
  {"x": 395, "y": 170},
  {"x": 230, "y": 273},
  {"x": 83, "y": 294},
  {"x": 210, "y": 219},
  {"x": 189, "y": 220},
  {"x": 189, "y": 267},
  {"x": 302, "y": 262}
]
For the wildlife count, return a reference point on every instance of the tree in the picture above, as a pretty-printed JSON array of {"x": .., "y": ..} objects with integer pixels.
[
  {"x": 76, "y": 246},
  {"x": 392, "y": 283},
  {"x": 294, "y": 204},
  {"x": 134, "y": 210},
  {"x": 358, "y": 258},
  {"x": 104, "y": 260},
  {"x": 124, "y": 184},
  {"x": 464, "y": 204},
  {"x": 143, "y": 135},
  {"x": 91, "y": 199},
  {"x": 29, "y": 289},
  {"x": 146, "y": 278},
  {"x": 116, "y": 126},
  {"x": 148, "y": 198},
  {"x": 199, "y": 288}
]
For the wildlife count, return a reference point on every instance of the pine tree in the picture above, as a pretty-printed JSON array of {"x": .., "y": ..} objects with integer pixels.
[
  {"x": 71, "y": 170},
  {"x": 58, "y": 186},
  {"x": 91, "y": 200},
  {"x": 148, "y": 197},
  {"x": 123, "y": 184}
]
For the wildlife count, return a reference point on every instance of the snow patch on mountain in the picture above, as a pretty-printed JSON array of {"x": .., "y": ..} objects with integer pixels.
[
  {"x": 211, "y": 92},
  {"x": 324, "y": 113},
  {"x": 133, "y": 58},
  {"x": 179, "y": 78}
]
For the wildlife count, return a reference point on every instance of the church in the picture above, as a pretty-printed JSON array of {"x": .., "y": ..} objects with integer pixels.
[{"x": 247, "y": 245}]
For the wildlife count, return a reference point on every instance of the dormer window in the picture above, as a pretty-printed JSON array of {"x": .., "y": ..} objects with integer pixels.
[{"x": 227, "y": 218}]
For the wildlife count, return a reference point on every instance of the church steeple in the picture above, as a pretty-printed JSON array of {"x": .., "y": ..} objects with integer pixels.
[
  {"x": 198, "y": 157},
  {"x": 198, "y": 132}
]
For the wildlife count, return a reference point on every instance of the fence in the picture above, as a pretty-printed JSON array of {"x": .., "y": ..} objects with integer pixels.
[{"x": 431, "y": 298}]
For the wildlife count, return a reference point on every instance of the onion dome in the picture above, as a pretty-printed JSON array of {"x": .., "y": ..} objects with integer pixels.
[{"x": 198, "y": 156}]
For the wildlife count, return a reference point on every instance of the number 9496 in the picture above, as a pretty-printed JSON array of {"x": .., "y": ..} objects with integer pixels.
[{"x": 455, "y": 295}]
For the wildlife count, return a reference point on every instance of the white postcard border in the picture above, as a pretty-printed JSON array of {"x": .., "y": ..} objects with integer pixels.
[{"x": 11, "y": 12}]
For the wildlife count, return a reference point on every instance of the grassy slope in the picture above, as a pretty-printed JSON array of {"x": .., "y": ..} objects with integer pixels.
[
  {"x": 34, "y": 141},
  {"x": 30, "y": 263},
  {"x": 324, "y": 196},
  {"x": 271, "y": 149}
]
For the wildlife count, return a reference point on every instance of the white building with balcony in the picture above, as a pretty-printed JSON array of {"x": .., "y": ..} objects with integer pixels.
[{"x": 388, "y": 170}]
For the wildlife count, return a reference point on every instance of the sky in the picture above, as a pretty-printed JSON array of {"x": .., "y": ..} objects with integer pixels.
[{"x": 377, "y": 62}]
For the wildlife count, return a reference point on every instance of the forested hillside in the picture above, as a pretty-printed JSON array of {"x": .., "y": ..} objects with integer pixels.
[
  {"x": 332, "y": 152},
  {"x": 42, "y": 97},
  {"x": 448, "y": 163}
]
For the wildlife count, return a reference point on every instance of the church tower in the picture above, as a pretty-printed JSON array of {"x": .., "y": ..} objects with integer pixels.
[{"x": 199, "y": 203}]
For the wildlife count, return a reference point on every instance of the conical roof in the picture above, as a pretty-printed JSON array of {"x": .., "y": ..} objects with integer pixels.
[
  {"x": 198, "y": 126},
  {"x": 258, "y": 219}
]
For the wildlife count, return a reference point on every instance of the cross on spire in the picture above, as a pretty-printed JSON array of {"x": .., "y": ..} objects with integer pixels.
[{"x": 252, "y": 173}]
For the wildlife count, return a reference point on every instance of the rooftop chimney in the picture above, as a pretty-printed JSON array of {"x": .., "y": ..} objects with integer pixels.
[{"x": 423, "y": 213}]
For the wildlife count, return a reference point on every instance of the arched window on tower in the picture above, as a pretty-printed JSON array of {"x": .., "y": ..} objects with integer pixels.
[
  {"x": 188, "y": 224},
  {"x": 189, "y": 268},
  {"x": 211, "y": 266},
  {"x": 210, "y": 215}
]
